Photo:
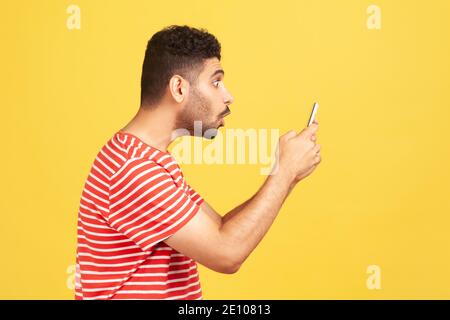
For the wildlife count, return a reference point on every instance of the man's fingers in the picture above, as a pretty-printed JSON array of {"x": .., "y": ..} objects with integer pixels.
[
  {"x": 317, "y": 159},
  {"x": 308, "y": 131},
  {"x": 316, "y": 149},
  {"x": 290, "y": 134}
]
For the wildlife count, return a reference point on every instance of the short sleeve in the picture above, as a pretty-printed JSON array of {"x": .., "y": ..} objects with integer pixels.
[
  {"x": 147, "y": 206},
  {"x": 195, "y": 196}
]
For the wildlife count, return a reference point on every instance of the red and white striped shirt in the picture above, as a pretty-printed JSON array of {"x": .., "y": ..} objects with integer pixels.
[{"x": 134, "y": 198}]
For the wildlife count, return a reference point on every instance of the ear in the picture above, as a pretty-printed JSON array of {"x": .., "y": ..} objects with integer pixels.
[{"x": 179, "y": 88}]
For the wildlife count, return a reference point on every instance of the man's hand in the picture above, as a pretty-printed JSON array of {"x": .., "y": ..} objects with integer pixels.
[{"x": 298, "y": 154}]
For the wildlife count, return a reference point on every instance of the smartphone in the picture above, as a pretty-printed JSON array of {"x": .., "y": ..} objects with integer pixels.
[{"x": 313, "y": 113}]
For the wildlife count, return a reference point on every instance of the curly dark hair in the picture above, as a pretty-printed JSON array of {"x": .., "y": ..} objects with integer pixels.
[{"x": 174, "y": 50}]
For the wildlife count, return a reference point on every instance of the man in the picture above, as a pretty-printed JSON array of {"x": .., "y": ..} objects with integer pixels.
[{"x": 141, "y": 227}]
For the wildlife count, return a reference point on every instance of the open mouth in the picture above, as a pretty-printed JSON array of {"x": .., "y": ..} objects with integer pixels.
[{"x": 222, "y": 121}]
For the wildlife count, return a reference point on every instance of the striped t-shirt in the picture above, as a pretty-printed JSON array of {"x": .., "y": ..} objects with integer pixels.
[{"x": 134, "y": 198}]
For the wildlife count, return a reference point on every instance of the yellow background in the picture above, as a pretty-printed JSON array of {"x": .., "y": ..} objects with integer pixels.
[{"x": 379, "y": 197}]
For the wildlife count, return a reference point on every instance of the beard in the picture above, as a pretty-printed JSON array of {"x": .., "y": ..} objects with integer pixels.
[{"x": 195, "y": 116}]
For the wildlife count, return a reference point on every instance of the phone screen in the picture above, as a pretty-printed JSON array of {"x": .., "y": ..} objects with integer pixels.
[{"x": 313, "y": 113}]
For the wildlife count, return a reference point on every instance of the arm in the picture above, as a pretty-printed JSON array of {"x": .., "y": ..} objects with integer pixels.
[
  {"x": 223, "y": 244},
  {"x": 212, "y": 213},
  {"x": 217, "y": 217},
  {"x": 245, "y": 226}
]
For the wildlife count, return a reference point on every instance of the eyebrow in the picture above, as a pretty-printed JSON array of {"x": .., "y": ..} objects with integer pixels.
[{"x": 217, "y": 72}]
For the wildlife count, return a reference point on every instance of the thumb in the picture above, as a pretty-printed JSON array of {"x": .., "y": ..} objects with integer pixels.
[
  {"x": 290, "y": 134},
  {"x": 309, "y": 131}
]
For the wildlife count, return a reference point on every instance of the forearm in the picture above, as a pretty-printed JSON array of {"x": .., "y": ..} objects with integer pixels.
[
  {"x": 235, "y": 211},
  {"x": 245, "y": 226}
]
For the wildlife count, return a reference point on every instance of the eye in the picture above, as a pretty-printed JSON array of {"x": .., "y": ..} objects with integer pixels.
[{"x": 216, "y": 83}]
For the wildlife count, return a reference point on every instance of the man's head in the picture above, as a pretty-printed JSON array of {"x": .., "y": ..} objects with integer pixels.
[{"x": 182, "y": 66}]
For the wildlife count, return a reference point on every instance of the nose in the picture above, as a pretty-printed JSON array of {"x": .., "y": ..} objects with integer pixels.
[{"x": 229, "y": 99}]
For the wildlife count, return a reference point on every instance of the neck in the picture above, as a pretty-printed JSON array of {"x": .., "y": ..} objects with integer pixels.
[{"x": 154, "y": 126}]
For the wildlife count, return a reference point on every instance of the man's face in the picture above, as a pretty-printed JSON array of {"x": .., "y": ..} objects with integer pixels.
[{"x": 208, "y": 102}]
